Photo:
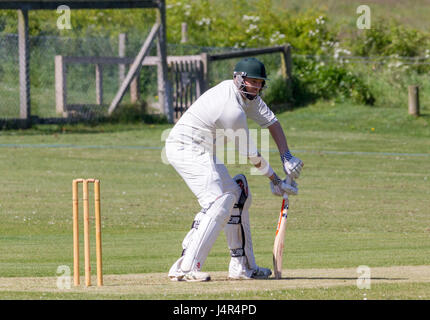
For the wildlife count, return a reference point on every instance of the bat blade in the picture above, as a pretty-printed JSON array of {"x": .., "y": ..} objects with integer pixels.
[{"x": 278, "y": 246}]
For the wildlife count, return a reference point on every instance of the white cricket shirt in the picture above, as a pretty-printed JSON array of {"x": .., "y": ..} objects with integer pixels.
[{"x": 216, "y": 113}]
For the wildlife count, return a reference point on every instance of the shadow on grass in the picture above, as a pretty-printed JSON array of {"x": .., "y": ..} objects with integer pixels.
[
  {"x": 128, "y": 117},
  {"x": 300, "y": 96}
]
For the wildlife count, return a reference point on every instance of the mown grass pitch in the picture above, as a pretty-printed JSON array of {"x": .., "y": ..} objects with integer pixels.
[
  {"x": 364, "y": 200},
  {"x": 298, "y": 284}
]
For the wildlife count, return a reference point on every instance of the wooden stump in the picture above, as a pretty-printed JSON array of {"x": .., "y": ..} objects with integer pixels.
[{"x": 414, "y": 101}]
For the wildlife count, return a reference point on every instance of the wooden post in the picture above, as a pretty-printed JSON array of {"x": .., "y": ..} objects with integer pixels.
[
  {"x": 175, "y": 69},
  {"x": 134, "y": 89},
  {"x": 60, "y": 86},
  {"x": 99, "y": 84},
  {"x": 164, "y": 88},
  {"x": 122, "y": 40},
  {"x": 24, "y": 65},
  {"x": 134, "y": 86},
  {"x": 286, "y": 61},
  {"x": 199, "y": 82},
  {"x": 414, "y": 101},
  {"x": 184, "y": 32},
  {"x": 205, "y": 72},
  {"x": 286, "y": 66},
  {"x": 134, "y": 68}
]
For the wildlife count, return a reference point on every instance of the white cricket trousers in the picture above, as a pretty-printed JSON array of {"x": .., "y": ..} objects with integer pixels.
[{"x": 201, "y": 170}]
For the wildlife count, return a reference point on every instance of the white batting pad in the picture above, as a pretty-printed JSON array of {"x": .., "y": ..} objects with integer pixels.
[
  {"x": 209, "y": 228},
  {"x": 238, "y": 230}
]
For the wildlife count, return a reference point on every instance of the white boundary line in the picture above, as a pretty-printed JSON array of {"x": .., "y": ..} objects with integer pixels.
[{"x": 74, "y": 146}]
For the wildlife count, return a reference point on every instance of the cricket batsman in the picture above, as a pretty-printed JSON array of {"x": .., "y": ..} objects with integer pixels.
[{"x": 225, "y": 201}]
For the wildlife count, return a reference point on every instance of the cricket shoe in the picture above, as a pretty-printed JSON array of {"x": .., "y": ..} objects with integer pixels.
[
  {"x": 238, "y": 270},
  {"x": 197, "y": 276},
  {"x": 192, "y": 276},
  {"x": 261, "y": 273}
]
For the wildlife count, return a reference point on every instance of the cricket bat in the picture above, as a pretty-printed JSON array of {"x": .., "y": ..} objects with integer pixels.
[{"x": 278, "y": 247}]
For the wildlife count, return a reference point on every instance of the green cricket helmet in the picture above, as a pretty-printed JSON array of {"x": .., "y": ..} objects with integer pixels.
[{"x": 249, "y": 68}]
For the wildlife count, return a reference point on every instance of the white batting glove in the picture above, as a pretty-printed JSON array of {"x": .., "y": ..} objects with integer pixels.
[
  {"x": 288, "y": 186},
  {"x": 292, "y": 165}
]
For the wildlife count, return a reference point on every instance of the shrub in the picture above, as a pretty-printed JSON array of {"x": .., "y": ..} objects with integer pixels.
[
  {"x": 321, "y": 80},
  {"x": 277, "y": 95},
  {"x": 246, "y": 24},
  {"x": 389, "y": 38}
]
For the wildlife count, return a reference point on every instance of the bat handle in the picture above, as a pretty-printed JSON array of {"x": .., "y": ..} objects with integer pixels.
[{"x": 285, "y": 202}]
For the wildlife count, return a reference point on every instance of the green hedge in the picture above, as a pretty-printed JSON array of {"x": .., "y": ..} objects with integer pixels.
[{"x": 250, "y": 24}]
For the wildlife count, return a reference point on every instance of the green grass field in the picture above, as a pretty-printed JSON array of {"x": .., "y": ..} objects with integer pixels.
[
  {"x": 344, "y": 12},
  {"x": 364, "y": 200}
]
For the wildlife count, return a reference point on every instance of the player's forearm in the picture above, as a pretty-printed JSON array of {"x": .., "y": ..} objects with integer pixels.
[
  {"x": 271, "y": 175},
  {"x": 262, "y": 165},
  {"x": 278, "y": 136}
]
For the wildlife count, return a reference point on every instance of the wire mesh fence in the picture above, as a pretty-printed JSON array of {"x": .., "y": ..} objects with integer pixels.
[{"x": 81, "y": 78}]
